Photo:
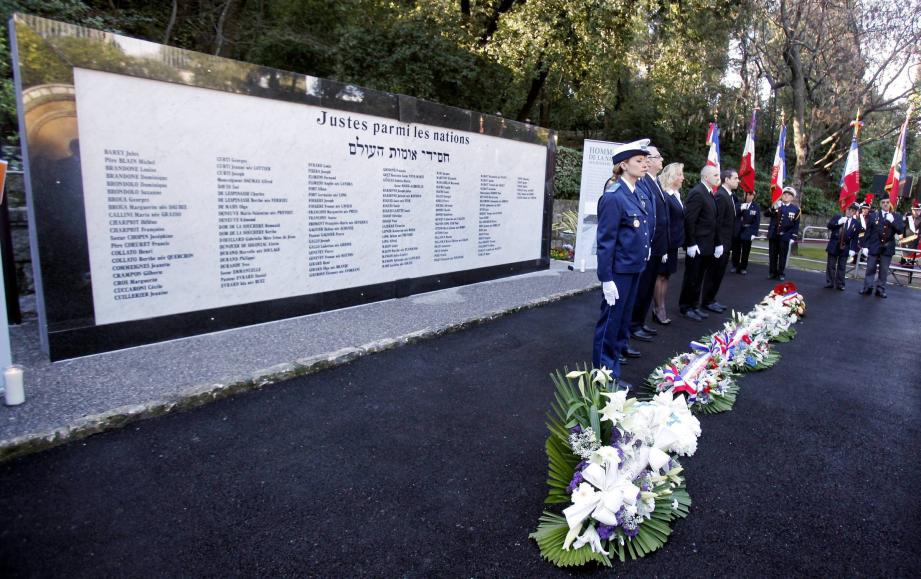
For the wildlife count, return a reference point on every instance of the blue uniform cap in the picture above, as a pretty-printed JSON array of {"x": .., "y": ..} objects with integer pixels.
[
  {"x": 627, "y": 150},
  {"x": 789, "y": 190}
]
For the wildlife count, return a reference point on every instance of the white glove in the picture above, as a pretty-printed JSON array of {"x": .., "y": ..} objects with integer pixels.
[
  {"x": 744, "y": 206},
  {"x": 648, "y": 254},
  {"x": 865, "y": 251},
  {"x": 664, "y": 258},
  {"x": 851, "y": 253},
  {"x": 718, "y": 252},
  {"x": 693, "y": 251},
  {"x": 842, "y": 221},
  {"x": 610, "y": 292},
  {"x": 890, "y": 218},
  {"x": 777, "y": 203}
]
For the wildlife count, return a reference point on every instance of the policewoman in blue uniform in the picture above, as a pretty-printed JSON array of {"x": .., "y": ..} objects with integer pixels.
[
  {"x": 783, "y": 228},
  {"x": 623, "y": 250}
]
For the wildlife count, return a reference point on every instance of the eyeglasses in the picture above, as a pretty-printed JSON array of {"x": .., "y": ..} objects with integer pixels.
[{"x": 653, "y": 156}]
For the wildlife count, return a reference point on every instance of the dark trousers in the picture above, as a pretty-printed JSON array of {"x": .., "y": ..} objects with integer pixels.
[
  {"x": 741, "y": 249},
  {"x": 714, "y": 278},
  {"x": 644, "y": 290},
  {"x": 777, "y": 256},
  {"x": 694, "y": 270},
  {"x": 880, "y": 264},
  {"x": 835, "y": 269},
  {"x": 612, "y": 332}
]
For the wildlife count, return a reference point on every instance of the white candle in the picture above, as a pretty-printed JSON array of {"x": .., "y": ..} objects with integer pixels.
[
  {"x": 14, "y": 393},
  {"x": 582, "y": 266}
]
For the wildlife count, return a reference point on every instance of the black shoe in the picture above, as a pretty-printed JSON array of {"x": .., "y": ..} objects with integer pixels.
[
  {"x": 623, "y": 361},
  {"x": 631, "y": 353},
  {"x": 880, "y": 294},
  {"x": 649, "y": 330},
  {"x": 781, "y": 277},
  {"x": 840, "y": 288},
  {"x": 692, "y": 314},
  {"x": 658, "y": 320},
  {"x": 716, "y": 307},
  {"x": 733, "y": 270},
  {"x": 828, "y": 286},
  {"x": 865, "y": 291},
  {"x": 743, "y": 272},
  {"x": 772, "y": 276},
  {"x": 641, "y": 335},
  {"x": 704, "y": 315}
]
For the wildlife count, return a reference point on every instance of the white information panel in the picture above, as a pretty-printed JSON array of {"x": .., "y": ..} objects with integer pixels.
[
  {"x": 596, "y": 170},
  {"x": 198, "y": 199}
]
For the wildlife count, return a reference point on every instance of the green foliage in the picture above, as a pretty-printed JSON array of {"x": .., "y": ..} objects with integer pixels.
[
  {"x": 785, "y": 336},
  {"x": 567, "y": 178},
  {"x": 550, "y": 535}
]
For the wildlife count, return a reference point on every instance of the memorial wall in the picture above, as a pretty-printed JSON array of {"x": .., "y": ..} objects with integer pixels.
[{"x": 174, "y": 193}]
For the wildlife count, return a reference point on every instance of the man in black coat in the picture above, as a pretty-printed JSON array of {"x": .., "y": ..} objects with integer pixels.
[
  {"x": 843, "y": 231},
  {"x": 659, "y": 248},
  {"x": 726, "y": 206},
  {"x": 748, "y": 221},
  {"x": 880, "y": 244},
  {"x": 699, "y": 240}
]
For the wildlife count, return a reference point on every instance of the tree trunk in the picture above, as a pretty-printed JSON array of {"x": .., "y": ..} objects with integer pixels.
[
  {"x": 171, "y": 23},
  {"x": 537, "y": 85},
  {"x": 465, "y": 8},
  {"x": 219, "y": 35}
]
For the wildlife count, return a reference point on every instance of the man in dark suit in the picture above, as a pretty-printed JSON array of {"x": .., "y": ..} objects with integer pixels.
[
  {"x": 726, "y": 206},
  {"x": 748, "y": 221},
  {"x": 659, "y": 248},
  {"x": 880, "y": 244},
  {"x": 782, "y": 230},
  {"x": 699, "y": 240},
  {"x": 842, "y": 234}
]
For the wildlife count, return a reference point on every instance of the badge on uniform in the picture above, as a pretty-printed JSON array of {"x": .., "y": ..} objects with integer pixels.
[{"x": 636, "y": 223}]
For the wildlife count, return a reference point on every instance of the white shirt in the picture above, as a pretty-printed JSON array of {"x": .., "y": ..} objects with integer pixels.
[{"x": 677, "y": 197}]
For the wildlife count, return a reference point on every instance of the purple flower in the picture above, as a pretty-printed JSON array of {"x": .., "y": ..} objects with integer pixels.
[
  {"x": 577, "y": 429},
  {"x": 631, "y": 531},
  {"x": 615, "y": 435},
  {"x": 576, "y": 481},
  {"x": 581, "y": 466},
  {"x": 605, "y": 531}
]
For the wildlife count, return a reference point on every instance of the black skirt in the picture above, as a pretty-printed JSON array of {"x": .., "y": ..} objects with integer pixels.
[{"x": 669, "y": 267}]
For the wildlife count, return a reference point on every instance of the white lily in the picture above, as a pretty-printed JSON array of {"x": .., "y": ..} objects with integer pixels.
[
  {"x": 614, "y": 490},
  {"x": 606, "y": 455},
  {"x": 614, "y": 410},
  {"x": 591, "y": 538},
  {"x": 603, "y": 375}
]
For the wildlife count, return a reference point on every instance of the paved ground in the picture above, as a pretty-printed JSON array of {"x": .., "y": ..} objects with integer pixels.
[
  {"x": 73, "y": 398},
  {"x": 427, "y": 460}
]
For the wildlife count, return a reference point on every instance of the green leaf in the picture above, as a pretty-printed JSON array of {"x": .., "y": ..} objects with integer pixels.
[{"x": 550, "y": 534}]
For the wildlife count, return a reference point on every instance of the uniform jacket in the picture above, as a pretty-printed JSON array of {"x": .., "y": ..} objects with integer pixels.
[
  {"x": 661, "y": 233},
  {"x": 880, "y": 238},
  {"x": 748, "y": 221},
  {"x": 647, "y": 186},
  {"x": 842, "y": 238},
  {"x": 725, "y": 217},
  {"x": 675, "y": 222},
  {"x": 623, "y": 231},
  {"x": 700, "y": 219},
  {"x": 784, "y": 222}
]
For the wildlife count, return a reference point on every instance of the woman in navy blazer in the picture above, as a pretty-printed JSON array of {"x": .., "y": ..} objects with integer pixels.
[{"x": 671, "y": 178}]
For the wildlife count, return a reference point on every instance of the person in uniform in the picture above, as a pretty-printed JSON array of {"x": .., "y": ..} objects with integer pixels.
[
  {"x": 623, "y": 249},
  {"x": 726, "y": 207},
  {"x": 880, "y": 245},
  {"x": 842, "y": 234},
  {"x": 782, "y": 230},
  {"x": 699, "y": 240},
  {"x": 748, "y": 221},
  {"x": 862, "y": 216},
  {"x": 912, "y": 235},
  {"x": 671, "y": 179},
  {"x": 658, "y": 261}
]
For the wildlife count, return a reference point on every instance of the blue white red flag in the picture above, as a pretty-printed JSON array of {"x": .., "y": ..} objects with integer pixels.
[
  {"x": 747, "y": 166},
  {"x": 897, "y": 169},
  {"x": 779, "y": 169}
]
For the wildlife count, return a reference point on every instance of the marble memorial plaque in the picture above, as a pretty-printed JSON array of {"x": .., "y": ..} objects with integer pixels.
[{"x": 203, "y": 193}]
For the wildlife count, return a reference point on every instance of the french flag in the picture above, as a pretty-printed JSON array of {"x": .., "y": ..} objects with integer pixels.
[
  {"x": 850, "y": 179},
  {"x": 779, "y": 170},
  {"x": 897, "y": 169},
  {"x": 713, "y": 141},
  {"x": 747, "y": 166}
]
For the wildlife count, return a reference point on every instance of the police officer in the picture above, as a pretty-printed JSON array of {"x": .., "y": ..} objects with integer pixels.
[
  {"x": 782, "y": 231},
  {"x": 842, "y": 235},
  {"x": 623, "y": 250},
  {"x": 912, "y": 222},
  {"x": 880, "y": 245},
  {"x": 748, "y": 221}
]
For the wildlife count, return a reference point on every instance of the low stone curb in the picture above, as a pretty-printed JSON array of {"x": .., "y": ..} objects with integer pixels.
[{"x": 202, "y": 394}]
